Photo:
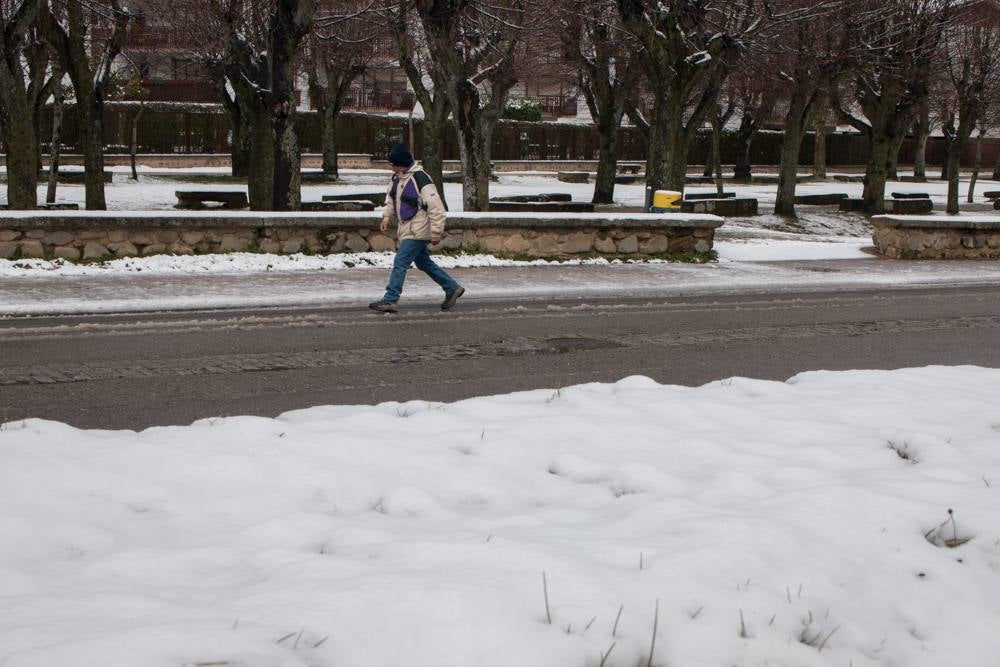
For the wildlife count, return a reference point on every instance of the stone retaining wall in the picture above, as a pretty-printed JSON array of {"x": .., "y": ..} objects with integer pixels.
[
  {"x": 937, "y": 237},
  {"x": 94, "y": 235}
]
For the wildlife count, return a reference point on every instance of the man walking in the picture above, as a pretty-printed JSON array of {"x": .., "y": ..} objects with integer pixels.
[{"x": 414, "y": 205}]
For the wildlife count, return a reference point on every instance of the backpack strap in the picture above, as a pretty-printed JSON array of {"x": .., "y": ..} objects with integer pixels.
[{"x": 422, "y": 179}]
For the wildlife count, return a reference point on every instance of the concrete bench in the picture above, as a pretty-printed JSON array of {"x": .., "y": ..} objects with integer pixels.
[
  {"x": 709, "y": 195},
  {"x": 629, "y": 168},
  {"x": 992, "y": 195},
  {"x": 574, "y": 176},
  {"x": 918, "y": 206},
  {"x": 910, "y": 195},
  {"x": 627, "y": 179},
  {"x": 542, "y": 207},
  {"x": 732, "y": 207},
  {"x": 196, "y": 199},
  {"x": 45, "y": 206},
  {"x": 539, "y": 197},
  {"x": 852, "y": 205},
  {"x": 73, "y": 176},
  {"x": 849, "y": 178},
  {"x": 318, "y": 177},
  {"x": 824, "y": 199},
  {"x": 376, "y": 198},
  {"x": 338, "y": 205}
]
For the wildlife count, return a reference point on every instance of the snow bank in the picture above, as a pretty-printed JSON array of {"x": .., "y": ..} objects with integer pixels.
[{"x": 768, "y": 523}]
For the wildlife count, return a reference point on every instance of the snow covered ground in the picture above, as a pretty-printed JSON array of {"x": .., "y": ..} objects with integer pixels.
[{"x": 836, "y": 519}]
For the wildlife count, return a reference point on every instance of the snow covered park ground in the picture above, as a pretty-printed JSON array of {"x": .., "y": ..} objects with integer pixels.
[{"x": 836, "y": 519}]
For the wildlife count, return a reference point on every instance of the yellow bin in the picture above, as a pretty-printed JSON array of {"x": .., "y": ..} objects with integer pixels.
[{"x": 666, "y": 199}]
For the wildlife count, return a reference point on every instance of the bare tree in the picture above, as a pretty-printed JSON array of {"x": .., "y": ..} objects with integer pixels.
[
  {"x": 595, "y": 43},
  {"x": 259, "y": 58},
  {"x": 687, "y": 49},
  {"x": 808, "y": 56},
  {"x": 342, "y": 46},
  {"x": 972, "y": 55},
  {"x": 71, "y": 27},
  {"x": 19, "y": 133},
  {"x": 473, "y": 44},
  {"x": 429, "y": 84},
  {"x": 895, "y": 46}
]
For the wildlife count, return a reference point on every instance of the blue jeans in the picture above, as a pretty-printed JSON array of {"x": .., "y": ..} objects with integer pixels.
[{"x": 412, "y": 251}]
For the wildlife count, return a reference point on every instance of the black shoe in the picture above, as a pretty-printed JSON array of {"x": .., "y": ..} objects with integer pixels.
[
  {"x": 451, "y": 297},
  {"x": 383, "y": 306}
]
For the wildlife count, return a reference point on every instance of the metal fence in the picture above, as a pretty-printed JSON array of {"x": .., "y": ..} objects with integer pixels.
[{"x": 205, "y": 129}]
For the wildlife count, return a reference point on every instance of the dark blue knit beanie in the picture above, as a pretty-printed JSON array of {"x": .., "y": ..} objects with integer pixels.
[{"x": 400, "y": 156}]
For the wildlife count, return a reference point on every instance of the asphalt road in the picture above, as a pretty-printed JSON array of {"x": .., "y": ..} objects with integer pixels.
[{"x": 139, "y": 370}]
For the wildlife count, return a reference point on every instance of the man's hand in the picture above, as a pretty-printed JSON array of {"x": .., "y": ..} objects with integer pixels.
[
  {"x": 384, "y": 225},
  {"x": 435, "y": 239}
]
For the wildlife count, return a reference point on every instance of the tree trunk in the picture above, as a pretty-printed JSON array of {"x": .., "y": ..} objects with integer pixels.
[
  {"x": 952, "y": 161},
  {"x": 432, "y": 128},
  {"x": 260, "y": 162},
  {"x": 22, "y": 166},
  {"x": 875, "y": 170},
  {"x": 892, "y": 165},
  {"x": 791, "y": 145},
  {"x": 744, "y": 139},
  {"x": 717, "y": 155},
  {"x": 666, "y": 157},
  {"x": 329, "y": 114},
  {"x": 819, "y": 146},
  {"x": 55, "y": 148},
  {"x": 473, "y": 148},
  {"x": 607, "y": 157},
  {"x": 287, "y": 174},
  {"x": 239, "y": 127},
  {"x": 922, "y": 130},
  {"x": 970, "y": 198},
  {"x": 92, "y": 130},
  {"x": 133, "y": 144}
]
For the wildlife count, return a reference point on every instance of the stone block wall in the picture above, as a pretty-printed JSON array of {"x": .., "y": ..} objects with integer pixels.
[
  {"x": 90, "y": 236},
  {"x": 937, "y": 237}
]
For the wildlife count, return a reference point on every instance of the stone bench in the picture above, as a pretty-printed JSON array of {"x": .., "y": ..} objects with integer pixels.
[
  {"x": 542, "y": 207},
  {"x": 46, "y": 206},
  {"x": 849, "y": 178},
  {"x": 338, "y": 205},
  {"x": 937, "y": 236},
  {"x": 852, "y": 205},
  {"x": 629, "y": 168},
  {"x": 376, "y": 198},
  {"x": 992, "y": 195},
  {"x": 627, "y": 179},
  {"x": 196, "y": 199},
  {"x": 910, "y": 195},
  {"x": 73, "y": 176},
  {"x": 574, "y": 176},
  {"x": 709, "y": 195},
  {"x": 918, "y": 206},
  {"x": 318, "y": 177},
  {"x": 823, "y": 199},
  {"x": 539, "y": 197},
  {"x": 732, "y": 207},
  {"x": 97, "y": 234},
  {"x": 456, "y": 177}
]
